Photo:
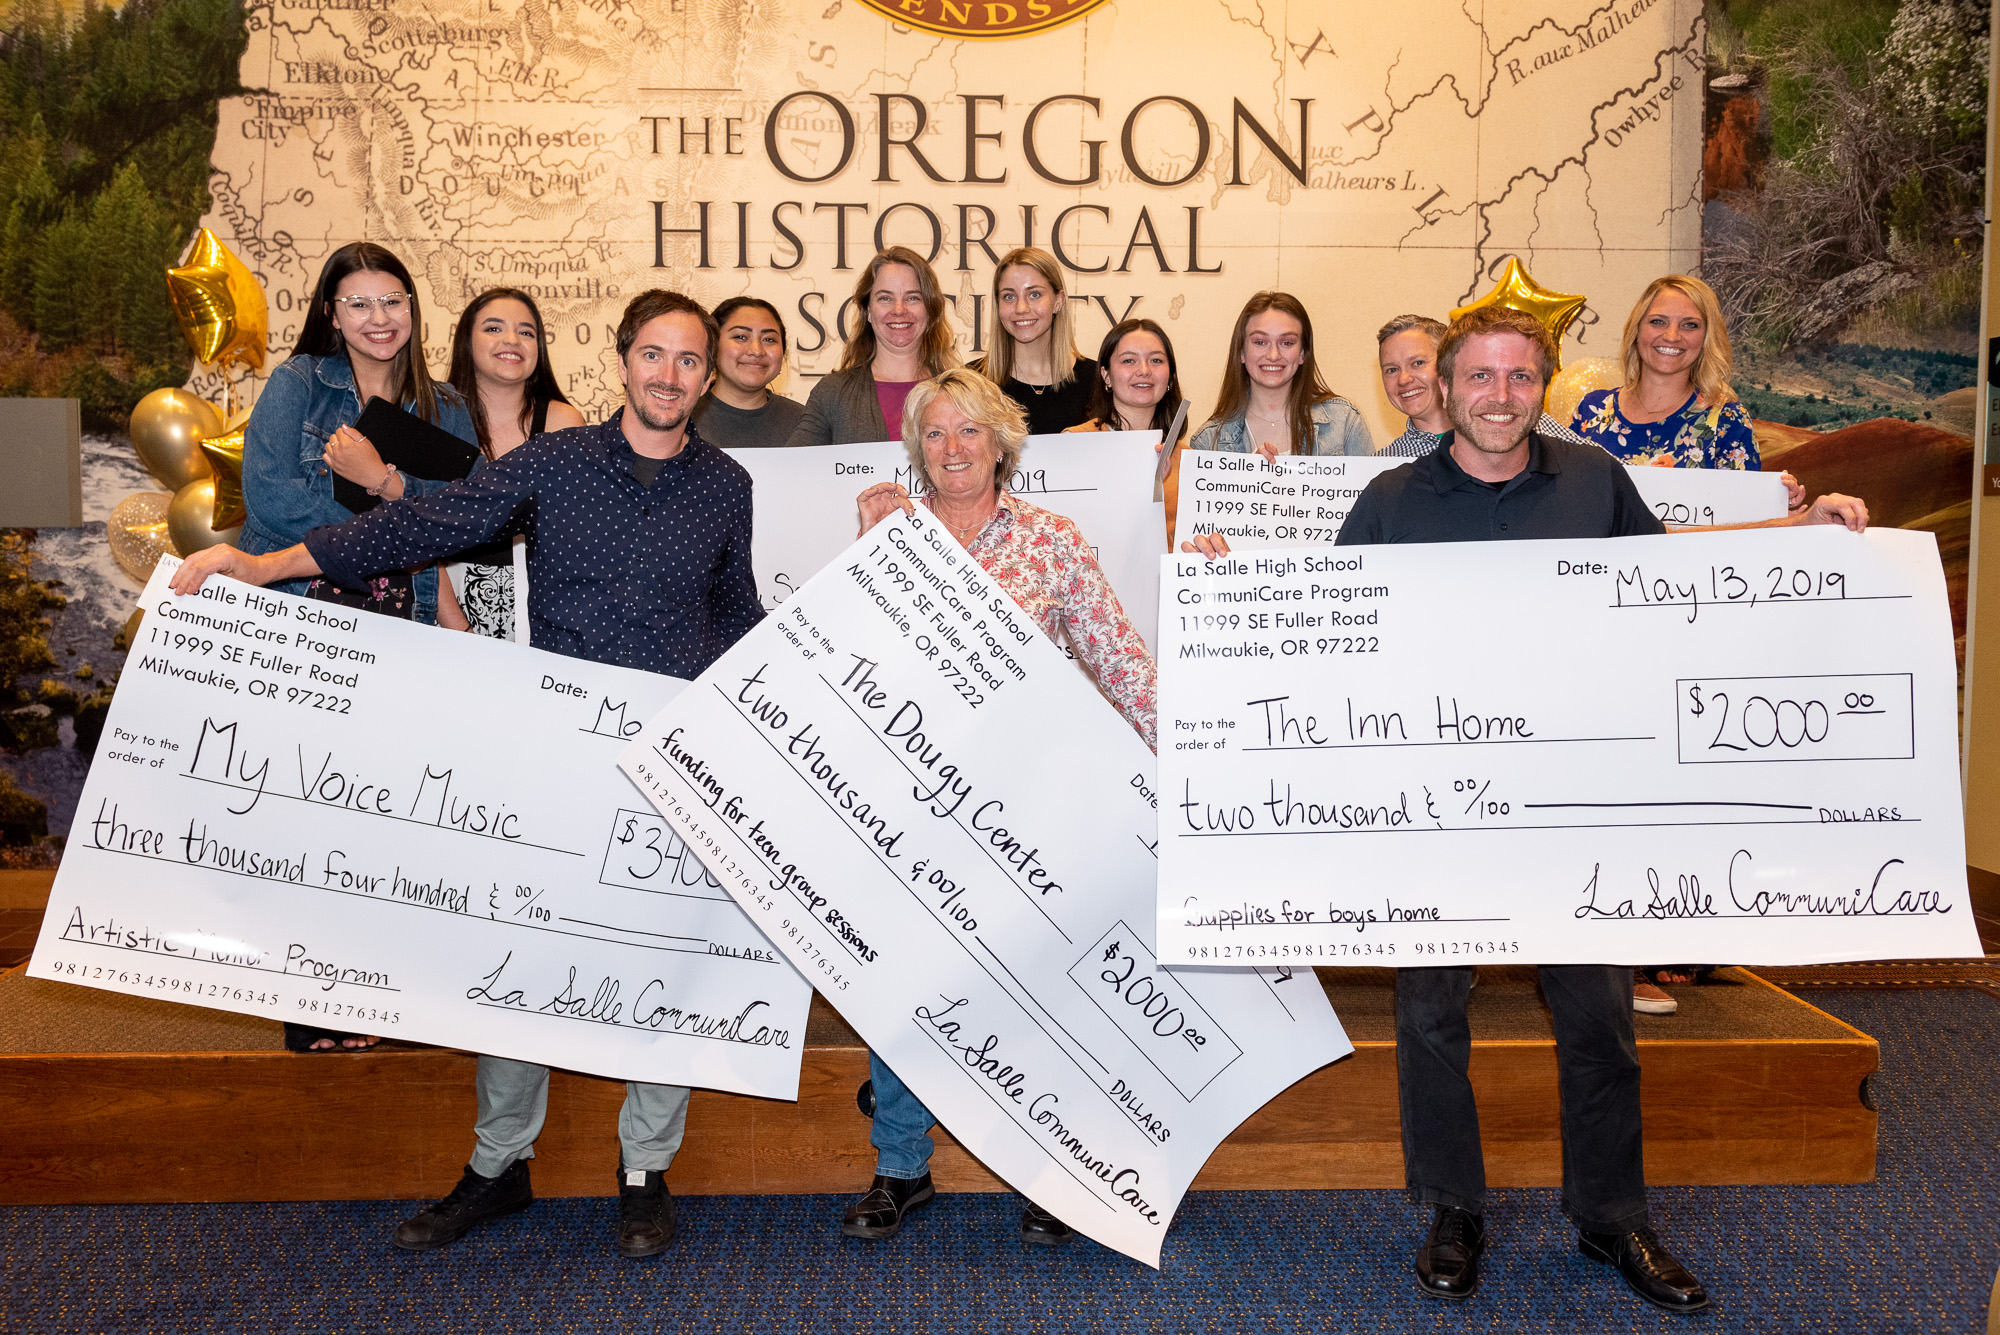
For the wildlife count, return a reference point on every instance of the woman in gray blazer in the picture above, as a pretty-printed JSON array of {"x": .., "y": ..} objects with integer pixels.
[{"x": 902, "y": 340}]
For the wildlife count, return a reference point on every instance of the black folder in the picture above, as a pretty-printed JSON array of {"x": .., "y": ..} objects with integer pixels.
[{"x": 418, "y": 448}]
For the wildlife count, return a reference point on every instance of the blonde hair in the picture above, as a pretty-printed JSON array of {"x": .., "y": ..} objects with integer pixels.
[
  {"x": 981, "y": 401},
  {"x": 999, "y": 363},
  {"x": 1711, "y": 369},
  {"x": 938, "y": 352}
]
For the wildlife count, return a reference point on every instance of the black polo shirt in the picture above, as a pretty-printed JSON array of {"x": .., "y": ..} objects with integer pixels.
[{"x": 1566, "y": 491}]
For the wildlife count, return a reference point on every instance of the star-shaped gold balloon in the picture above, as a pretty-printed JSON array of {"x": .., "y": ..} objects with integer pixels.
[
  {"x": 225, "y": 457},
  {"x": 1517, "y": 290},
  {"x": 219, "y": 303}
]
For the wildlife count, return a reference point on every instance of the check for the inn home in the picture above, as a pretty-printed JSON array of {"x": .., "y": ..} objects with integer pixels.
[
  {"x": 947, "y": 829},
  {"x": 1723, "y": 746},
  {"x": 314, "y": 814}
]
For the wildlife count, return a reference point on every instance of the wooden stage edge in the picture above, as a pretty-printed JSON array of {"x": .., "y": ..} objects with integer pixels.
[{"x": 397, "y": 1124}]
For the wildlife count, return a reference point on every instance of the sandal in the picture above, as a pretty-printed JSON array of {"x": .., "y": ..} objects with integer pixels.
[{"x": 302, "y": 1037}]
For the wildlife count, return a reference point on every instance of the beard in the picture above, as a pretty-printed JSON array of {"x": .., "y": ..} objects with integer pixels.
[
  {"x": 656, "y": 420},
  {"x": 1464, "y": 421}
]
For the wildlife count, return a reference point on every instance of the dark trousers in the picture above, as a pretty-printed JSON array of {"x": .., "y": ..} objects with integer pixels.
[{"x": 1604, "y": 1174}]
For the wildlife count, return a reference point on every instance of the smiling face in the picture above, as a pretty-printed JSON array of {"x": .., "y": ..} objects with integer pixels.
[
  {"x": 1671, "y": 334},
  {"x": 666, "y": 370},
  {"x": 1137, "y": 374},
  {"x": 506, "y": 344},
  {"x": 1027, "y": 303},
  {"x": 1274, "y": 348},
  {"x": 1495, "y": 395},
  {"x": 896, "y": 308},
  {"x": 1409, "y": 376},
  {"x": 752, "y": 352},
  {"x": 959, "y": 454},
  {"x": 371, "y": 333}
]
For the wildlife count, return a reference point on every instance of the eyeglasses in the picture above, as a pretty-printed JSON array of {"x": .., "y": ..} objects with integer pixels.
[{"x": 391, "y": 305}]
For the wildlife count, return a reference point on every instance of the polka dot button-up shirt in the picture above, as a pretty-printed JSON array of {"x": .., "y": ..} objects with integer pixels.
[{"x": 655, "y": 577}]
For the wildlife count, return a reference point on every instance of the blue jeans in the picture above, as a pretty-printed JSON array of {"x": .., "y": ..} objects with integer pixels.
[
  {"x": 1597, "y": 1064},
  {"x": 901, "y": 1134}
]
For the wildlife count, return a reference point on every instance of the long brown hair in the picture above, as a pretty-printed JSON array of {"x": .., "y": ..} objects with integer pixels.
[
  {"x": 321, "y": 337},
  {"x": 1307, "y": 388},
  {"x": 938, "y": 351},
  {"x": 999, "y": 363},
  {"x": 1711, "y": 369},
  {"x": 465, "y": 379}
]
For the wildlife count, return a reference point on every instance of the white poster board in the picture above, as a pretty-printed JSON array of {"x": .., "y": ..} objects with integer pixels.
[
  {"x": 805, "y": 509},
  {"x": 311, "y": 813},
  {"x": 1733, "y": 747},
  {"x": 1302, "y": 500},
  {"x": 956, "y": 845}
]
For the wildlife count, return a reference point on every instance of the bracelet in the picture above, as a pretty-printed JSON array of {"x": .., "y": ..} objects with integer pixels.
[{"x": 383, "y": 485}]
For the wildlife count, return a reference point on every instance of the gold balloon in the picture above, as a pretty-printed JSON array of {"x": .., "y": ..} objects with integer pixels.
[
  {"x": 167, "y": 427},
  {"x": 1584, "y": 376},
  {"x": 1517, "y": 290},
  {"x": 137, "y": 533},
  {"x": 219, "y": 303},
  {"x": 191, "y": 519},
  {"x": 224, "y": 453}
]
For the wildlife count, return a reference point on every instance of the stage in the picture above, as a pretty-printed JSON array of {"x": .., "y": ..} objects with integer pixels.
[{"x": 109, "y": 1098}]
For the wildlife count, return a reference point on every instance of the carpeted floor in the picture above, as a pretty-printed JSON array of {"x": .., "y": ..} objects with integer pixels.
[{"x": 1913, "y": 1252}]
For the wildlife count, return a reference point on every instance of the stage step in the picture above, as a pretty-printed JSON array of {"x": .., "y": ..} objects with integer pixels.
[{"x": 109, "y": 1098}]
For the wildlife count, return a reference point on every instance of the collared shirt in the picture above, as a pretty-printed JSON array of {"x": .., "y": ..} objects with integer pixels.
[
  {"x": 1042, "y": 561},
  {"x": 1415, "y": 440},
  {"x": 1566, "y": 491},
  {"x": 651, "y": 576}
]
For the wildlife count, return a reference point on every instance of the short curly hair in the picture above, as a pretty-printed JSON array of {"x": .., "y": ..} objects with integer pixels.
[{"x": 982, "y": 402}]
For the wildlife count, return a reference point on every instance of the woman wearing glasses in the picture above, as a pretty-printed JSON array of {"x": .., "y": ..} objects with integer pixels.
[{"x": 362, "y": 339}]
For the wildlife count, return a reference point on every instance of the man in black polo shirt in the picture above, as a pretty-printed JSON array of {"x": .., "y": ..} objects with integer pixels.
[{"x": 1497, "y": 479}]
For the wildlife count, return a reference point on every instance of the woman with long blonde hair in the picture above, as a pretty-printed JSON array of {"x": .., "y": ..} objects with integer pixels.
[
  {"x": 1031, "y": 343},
  {"x": 1676, "y": 408}
]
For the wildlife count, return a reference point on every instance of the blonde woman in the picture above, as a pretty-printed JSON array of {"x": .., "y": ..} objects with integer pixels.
[
  {"x": 1031, "y": 339},
  {"x": 1675, "y": 408}
]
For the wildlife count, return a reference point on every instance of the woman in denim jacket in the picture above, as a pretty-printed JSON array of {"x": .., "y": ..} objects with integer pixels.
[
  {"x": 362, "y": 339},
  {"x": 1273, "y": 400}
]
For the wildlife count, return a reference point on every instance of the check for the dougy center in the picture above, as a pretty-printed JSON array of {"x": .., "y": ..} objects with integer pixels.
[
  {"x": 1732, "y": 746},
  {"x": 942, "y": 824}
]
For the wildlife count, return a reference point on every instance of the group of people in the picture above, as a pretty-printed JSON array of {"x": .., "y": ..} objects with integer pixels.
[{"x": 633, "y": 537}]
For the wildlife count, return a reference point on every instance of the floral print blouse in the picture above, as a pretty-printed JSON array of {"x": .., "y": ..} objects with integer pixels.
[
  {"x": 1689, "y": 437},
  {"x": 1042, "y": 561}
]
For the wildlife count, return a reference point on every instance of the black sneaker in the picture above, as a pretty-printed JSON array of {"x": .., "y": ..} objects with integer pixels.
[
  {"x": 474, "y": 1201},
  {"x": 645, "y": 1213}
]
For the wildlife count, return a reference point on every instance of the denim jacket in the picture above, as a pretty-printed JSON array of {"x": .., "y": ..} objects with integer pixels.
[
  {"x": 1337, "y": 429},
  {"x": 287, "y": 487}
]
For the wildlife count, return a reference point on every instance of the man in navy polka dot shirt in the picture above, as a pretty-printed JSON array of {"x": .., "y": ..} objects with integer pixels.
[{"x": 639, "y": 555}]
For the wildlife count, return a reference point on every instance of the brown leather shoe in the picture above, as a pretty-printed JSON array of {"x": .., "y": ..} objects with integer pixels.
[
  {"x": 645, "y": 1213},
  {"x": 1448, "y": 1262}
]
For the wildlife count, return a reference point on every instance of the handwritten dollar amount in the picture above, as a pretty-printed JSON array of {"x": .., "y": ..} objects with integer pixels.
[
  {"x": 644, "y": 853},
  {"x": 1154, "y": 1011},
  {"x": 1850, "y": 717}
]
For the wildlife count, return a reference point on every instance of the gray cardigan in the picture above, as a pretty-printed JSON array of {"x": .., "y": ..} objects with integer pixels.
[{"x": 842, "y": 410}]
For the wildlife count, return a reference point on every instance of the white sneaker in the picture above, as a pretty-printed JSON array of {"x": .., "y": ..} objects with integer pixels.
[{"x": 1649, "y": 999}]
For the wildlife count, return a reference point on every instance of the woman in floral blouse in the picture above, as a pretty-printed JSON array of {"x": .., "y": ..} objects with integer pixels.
[
  {"x": 1676, "y": 408},
  {"x": 964, "y": 439}
]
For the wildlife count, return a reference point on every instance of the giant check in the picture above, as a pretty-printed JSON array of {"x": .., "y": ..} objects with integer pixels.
[
  {"x": 1303, "y": 499},
  {"x": 1101, "y": 480},
  {"x": 314, "y": 814},
  {"x": 1720, "y": 746},
  {"x": 916, "y": 797}
]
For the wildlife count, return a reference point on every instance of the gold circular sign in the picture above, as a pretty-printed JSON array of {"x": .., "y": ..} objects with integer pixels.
[{"x": 983, "y": 18}]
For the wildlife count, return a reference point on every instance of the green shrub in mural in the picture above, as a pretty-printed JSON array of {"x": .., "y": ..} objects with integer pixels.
[{"x": 107, "y": 120}]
